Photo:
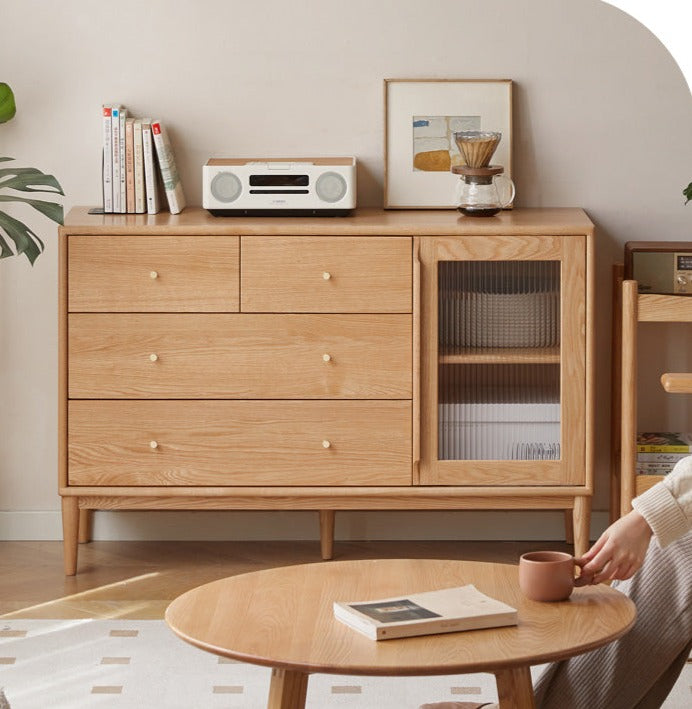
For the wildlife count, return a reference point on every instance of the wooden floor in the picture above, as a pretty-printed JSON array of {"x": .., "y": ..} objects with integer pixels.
[{"x": 139, "y": 579}]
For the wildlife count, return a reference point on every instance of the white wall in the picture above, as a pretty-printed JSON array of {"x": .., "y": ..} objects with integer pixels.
[{"x": 602, "y": 116}]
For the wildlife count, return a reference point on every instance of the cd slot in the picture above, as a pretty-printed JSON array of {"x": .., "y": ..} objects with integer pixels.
[
  {"x": 279, "y": 191},
  {"x": 279, "y": 180}
]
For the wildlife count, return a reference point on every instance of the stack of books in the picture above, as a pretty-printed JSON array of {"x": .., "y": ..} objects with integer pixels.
[
  {"x": 137, "y": 154},
  {"x": 657, "y": 453}
]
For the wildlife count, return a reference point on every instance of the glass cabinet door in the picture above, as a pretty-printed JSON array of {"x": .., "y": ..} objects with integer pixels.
[{"x": 503, "y": 351}]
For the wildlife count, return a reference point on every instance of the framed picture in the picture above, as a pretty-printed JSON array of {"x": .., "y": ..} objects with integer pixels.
[{"x": 421, "y": 117}]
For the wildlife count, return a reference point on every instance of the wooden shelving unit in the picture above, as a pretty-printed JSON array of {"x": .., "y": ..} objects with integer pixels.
[{"x": 632, "y": 308}]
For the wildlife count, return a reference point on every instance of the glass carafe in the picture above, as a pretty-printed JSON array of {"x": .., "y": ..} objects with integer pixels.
[{"x": 483, "y": 191}]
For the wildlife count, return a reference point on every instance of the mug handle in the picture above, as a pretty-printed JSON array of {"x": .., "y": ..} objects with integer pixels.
[
  {"x": 511, "y": 189},
  {"x": 579, "y": 581}
]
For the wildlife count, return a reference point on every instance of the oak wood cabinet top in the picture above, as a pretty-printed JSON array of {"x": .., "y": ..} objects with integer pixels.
[{"x": 195, "y": 220}]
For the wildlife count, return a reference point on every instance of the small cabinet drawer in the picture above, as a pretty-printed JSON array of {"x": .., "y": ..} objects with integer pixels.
[
  {"x": 239, "y": 356},
  {"x": 153, "y": 273},
  {"x": 326, "y": 274},
  {"x": 216, "y": 443}
]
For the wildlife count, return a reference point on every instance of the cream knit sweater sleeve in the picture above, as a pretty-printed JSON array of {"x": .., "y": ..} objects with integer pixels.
[{"x": 667, "y": 506}]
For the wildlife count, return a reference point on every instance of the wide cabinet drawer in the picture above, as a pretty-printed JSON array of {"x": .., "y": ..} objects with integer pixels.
[
  {"x": 216, "y": 443},
  {"x": 326, "y": 274},
  {"x": 239, "y": 356},
  {"x": 153, "y": 273}
]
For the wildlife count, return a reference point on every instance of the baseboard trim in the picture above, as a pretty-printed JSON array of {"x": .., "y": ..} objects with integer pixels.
[{"x": 292, "y": 526}]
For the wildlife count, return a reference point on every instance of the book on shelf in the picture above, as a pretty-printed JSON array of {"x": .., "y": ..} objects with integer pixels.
[
  {"x": 446, "y": 610},
  {"x": 107, "y": 161},
  {"x": 115, "y": 145},
  {"x": 140, "y": 190},
  {"x": 130, "y": 165},
  {"x": 173, "y": 187},
  {"x": 661, "y": 457},
  {"x": 648, "y": 467},
  {"x": 118, "y": 165},
  {"x": 123, "y": 175},
  {"x": 664, "y": 442},
  {"x": 138, "y": 164},
  {"x": 150, "y": 180}
]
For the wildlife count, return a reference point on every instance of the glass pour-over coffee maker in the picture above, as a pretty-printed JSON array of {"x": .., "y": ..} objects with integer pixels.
[{"x": 483, "y": 189}]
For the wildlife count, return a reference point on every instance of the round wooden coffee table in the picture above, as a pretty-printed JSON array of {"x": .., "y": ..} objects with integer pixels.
[{"x": 283, "y": 618}]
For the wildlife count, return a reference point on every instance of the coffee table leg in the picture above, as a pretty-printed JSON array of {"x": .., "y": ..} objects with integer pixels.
[
  {"x": 287, "y": 689},
  {"x": 514, "y": 688}
]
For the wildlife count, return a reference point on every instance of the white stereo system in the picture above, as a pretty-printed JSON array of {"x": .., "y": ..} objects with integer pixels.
[{"x": 279, "y": 186}]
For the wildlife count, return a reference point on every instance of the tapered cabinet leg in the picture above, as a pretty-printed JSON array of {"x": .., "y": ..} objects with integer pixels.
[
  {"x": 70, "y": 533},
  {"x": 327, "y": 533},
  {"x": 86, "y": 518},
  {"x": 287, "y": 689},
  {"x": 582, "y": 522},
  {"x": 569, "y": 527},
  {"x": 514, "y": 688}
]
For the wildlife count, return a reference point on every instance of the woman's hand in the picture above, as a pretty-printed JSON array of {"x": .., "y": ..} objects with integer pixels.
[{"x": 619, "y": 551}]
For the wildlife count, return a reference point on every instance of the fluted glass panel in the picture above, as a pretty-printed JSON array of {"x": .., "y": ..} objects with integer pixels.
[{"x": 499, "y": 371}]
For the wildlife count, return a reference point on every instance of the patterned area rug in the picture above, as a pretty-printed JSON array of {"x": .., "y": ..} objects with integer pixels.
[{"x": 141, "y": 664}]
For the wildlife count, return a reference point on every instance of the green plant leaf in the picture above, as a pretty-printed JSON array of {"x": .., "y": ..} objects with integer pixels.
[
  {"x": 8, "y": 107},
  {"x": 49, "y": 209},
  {"x": 28, "y": 179},
  {"x": 5, "y": 250},
  {"x": 25, "y": 240},
  {"x": 688, "y": 192}
]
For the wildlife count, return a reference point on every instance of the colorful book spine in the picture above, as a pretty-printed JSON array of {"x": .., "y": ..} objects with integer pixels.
[
  {"x": 123, "y": 186},
  {"x": 140, "y": 195},
  {"x": 169, "y": 172},
  {"x": 115, "y": 145},
  {"x": 151, "y": 187},
  {"x": 107, "y": 169},
  {"x": 130, "y": 165},
  {"x": 664, "y": 442}
]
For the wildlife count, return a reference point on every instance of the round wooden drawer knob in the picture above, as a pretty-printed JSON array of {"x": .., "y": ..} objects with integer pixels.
[
  {"x": 326, "y": 357},
  {"x": 153, "y": 445},
  {"x": 326, "y": 444},
  {"x": 326, "y": 275},
  {"x": 153, "y": 274},
  {"x": 153, "y": 357}
]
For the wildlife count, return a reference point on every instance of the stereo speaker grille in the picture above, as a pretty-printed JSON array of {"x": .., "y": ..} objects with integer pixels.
[
  {"x": 226, "y": 187},
  {"x": 330, "y": 187}
]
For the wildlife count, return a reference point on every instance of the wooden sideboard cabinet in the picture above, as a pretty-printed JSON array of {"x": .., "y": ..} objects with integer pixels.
[{"x": 409, "y": 360}]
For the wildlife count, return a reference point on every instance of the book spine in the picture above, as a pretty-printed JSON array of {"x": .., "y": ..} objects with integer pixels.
[
  {"x": 140, "y": 196},
  {"x": 661, "y": 457},
  {"x": 123, "y": 185},
  {"x": 445, "y": 625},
  {"x": 107, "y": 170},
  {"x": 663, "y": 449},
  {"x": 649, "y": 468},
  {"x": 115, "y": 146},
  {"x": 171, "y": 179},
  {"x": 149, "y": 170},
  {"x": 130, "y": 165}
]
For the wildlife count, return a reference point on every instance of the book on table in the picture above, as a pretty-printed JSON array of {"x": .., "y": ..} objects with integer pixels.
[{"x": 446, "y": 610}]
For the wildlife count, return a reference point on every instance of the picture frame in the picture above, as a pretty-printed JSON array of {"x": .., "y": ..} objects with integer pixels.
[{"x": 420, "y": 117}]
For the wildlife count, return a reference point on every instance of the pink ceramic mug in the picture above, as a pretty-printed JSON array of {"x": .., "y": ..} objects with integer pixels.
[{"x": 548, "y": 575}]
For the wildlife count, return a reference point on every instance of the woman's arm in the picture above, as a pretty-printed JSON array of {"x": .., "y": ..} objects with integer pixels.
[{"x": 665, "y": 511}]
